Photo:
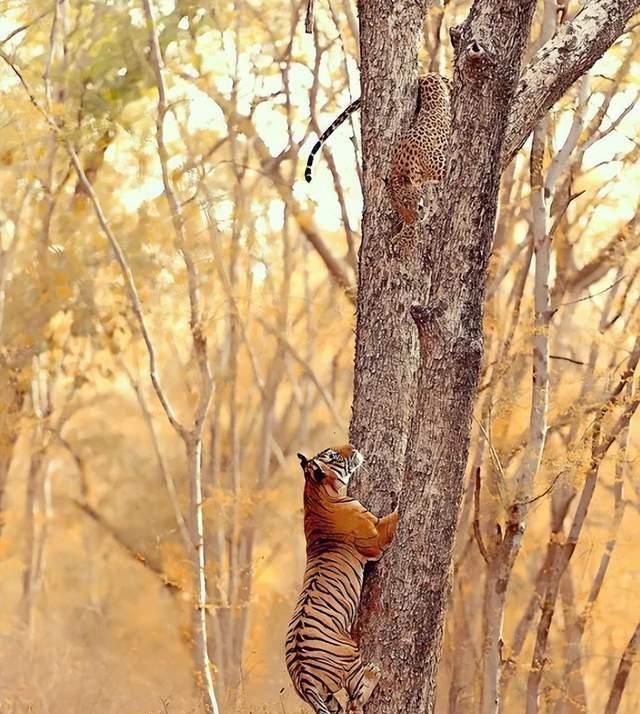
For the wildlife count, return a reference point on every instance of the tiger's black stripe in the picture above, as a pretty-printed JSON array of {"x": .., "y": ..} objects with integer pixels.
[{"x": 353, "y": 107}]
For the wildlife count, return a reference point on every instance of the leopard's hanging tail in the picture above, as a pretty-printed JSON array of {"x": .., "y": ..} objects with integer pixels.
[{"x": 353, "y": 107}]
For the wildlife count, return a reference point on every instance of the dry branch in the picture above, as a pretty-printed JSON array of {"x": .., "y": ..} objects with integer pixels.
[
  {"x": 309, "y": 18},
  {"x": 622, "y": 675},
  {"x": 125, "y": 546},
  {"x": 22, "y": 28},
  {"x": 614, "y": 253},
  {"x": 575, "y": 48},
  {"x": 477, "y": 533}
]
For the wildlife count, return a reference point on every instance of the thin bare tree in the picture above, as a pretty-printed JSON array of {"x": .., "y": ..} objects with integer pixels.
[{"x": 622, "y": 675}]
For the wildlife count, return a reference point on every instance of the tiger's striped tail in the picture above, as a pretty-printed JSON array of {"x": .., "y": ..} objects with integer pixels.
[{"x": 353, "y": 107}]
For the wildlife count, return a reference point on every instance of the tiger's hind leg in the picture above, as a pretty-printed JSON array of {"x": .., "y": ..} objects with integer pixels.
[
  {"x": 360, "y": 685},
  {"x": 323, "y": 706},
  {"x": 317, "y": 696},
  {"x": 333, "y": 705}
]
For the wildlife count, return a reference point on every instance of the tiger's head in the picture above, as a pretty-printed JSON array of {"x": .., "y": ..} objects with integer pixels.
[{"x": 332, "y": 468}]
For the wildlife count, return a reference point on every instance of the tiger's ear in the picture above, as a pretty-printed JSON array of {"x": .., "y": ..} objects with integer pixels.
[{"x": 311, "y": 468}]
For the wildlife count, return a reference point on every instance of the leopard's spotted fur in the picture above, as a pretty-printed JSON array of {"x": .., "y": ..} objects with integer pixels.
[{"x": 419, "y": 156}]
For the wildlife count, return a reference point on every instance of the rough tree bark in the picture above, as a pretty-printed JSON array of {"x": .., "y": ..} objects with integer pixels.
[
  {"x": 386, "y": 341},
  {"x": 419, "y": 446},
  {"x": 386, "y": 344}
]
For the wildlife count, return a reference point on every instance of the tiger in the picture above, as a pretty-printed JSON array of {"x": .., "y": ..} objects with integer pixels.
[{"x": 342, "y": 536}]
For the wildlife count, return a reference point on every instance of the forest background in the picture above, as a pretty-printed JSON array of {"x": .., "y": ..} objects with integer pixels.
[{"x": 244, "y": 278}]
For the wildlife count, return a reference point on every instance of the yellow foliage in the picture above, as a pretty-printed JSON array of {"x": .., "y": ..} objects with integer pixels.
[{"x": 98, "y": 499}]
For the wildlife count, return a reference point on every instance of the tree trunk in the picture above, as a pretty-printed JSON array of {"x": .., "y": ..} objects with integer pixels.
[
  {"x": 386, "y": 345},
  {"x": 404, "y": 605},
  {"x": 202, "y": 665},
  {"x": 30, "y": 528},
  {"x": 390, "y": 270},
  {"x": 12, "y": 398}
]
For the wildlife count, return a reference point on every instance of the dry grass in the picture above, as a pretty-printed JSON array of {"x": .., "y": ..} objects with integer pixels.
[{"x": 49, "y": 677}]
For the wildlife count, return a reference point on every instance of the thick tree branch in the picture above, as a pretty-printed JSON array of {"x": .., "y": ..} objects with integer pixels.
[
  {"x": 575, "y": 48},
  {"x": 126, "y": 547}
]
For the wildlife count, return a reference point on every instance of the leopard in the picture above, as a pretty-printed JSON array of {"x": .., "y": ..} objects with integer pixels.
[{"x": 419, "y": 156}]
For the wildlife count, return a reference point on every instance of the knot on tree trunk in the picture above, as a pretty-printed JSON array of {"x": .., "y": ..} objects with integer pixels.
[
  {"x": 476, "y": 58},
  {"x": 426, "y": 318}
]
